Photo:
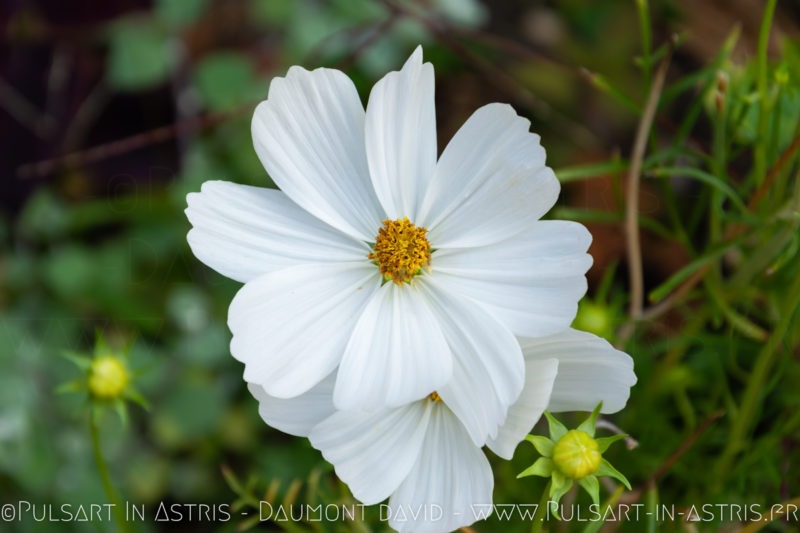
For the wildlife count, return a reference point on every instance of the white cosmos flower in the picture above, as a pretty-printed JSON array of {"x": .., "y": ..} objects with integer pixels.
[
  {"x": 374, "y": 257},
  {"x": 421, "y": 456}
]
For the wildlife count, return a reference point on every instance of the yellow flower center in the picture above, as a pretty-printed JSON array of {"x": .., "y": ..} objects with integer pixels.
[
  {"x": 576, "y": 454},
  {"x": 401, "y": 250},
  {"x": 108, "y": 377},
  {"x": 434, "y": 397}
]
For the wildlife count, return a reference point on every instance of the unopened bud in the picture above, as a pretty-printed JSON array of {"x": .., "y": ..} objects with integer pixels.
[
  {"x": 577, "y": 454},
  {"x": 108, "y": 377}
]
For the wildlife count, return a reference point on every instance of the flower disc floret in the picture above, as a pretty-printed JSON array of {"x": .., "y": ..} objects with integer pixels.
[
  {"x": 108, "y": 377},
  {"x": 577, "y": 454},
  {"x": 401, "y": 250}
]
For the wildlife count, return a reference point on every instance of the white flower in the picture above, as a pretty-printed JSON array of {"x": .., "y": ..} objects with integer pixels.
[
  {"x": 408, "y": 274},
  {"x": 421, "y": 456}
]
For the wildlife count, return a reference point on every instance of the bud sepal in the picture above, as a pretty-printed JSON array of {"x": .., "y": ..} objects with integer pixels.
[{"x": 573, "y": 455}]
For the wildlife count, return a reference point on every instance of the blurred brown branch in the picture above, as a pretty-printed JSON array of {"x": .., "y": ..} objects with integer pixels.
[
  {"x": 444, "y": 32},
  {"x": 127, "y": 144}
]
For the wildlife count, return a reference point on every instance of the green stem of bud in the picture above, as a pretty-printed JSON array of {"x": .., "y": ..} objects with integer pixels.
[
  {"x": 539, "y": 515},
  {"x": 105, "y": 477}
]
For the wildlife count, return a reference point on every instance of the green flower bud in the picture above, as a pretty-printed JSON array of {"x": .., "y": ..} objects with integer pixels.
[
  {"x": 108, "y": 377},
  {"x": 573, "y": 455},
  {"x": 576, "y": 454}
]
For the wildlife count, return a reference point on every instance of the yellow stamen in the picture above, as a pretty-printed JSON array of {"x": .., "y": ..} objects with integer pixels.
[
  {"x": 434, "y": 397},
  {"x": 401, "y": 250}
]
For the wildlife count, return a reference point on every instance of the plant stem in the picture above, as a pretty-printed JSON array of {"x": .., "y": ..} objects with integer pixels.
[
  {"x": 105, "y": 477},
  {"x": 783, "y": 509},
  {"x": 755, "y": 386},
  {"x": 632, "y": 239},
  {"x": 540, "y": 514},
  {"x": 760, "y": 155},
  {"x": 718, "y": 163},
  {"x": 647, "y": 40}
]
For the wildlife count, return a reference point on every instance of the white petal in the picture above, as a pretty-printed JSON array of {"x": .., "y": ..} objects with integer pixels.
[
  {"x": 401, "y": 136},
  {"x": 450, "y": 484},
  {"x": 490, "y": 183},
  {"x": 296, "y": 416},
  {"x": 397, "y": 353},
  {"x": 532, "y": 282},
  {"x": 309, "y": 135},
  {"x": 373, "y": 451},
  {"x": 523, "y": 415},
  {"x": 242, "y": 232},
  {"x": 590, "y": 370},
  {"x": 290, "y": 327},
  {"x": 488, "y": 367}
]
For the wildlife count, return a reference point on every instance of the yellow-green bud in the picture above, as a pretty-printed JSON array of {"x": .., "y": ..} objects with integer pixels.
[
  {"x": 576, "y": 454},
  {"x": 108, "y": 377},
  {"x": 594, "y": 318},
  {"x": 782, "y": 75}
]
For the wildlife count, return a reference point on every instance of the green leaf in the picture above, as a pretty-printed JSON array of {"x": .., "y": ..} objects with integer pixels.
[
  {"x": 233, "y": 482},
  {"x": 122, "y": 412},
  {"x": 605, "y": 442},
  {"x": 44, "y": 216},
  {"x": 607, "y": 470},
  {"x": 192, "y": 409},
  {"x": 543, "y": 445},
  {"x": 588, "y": 425},
  {"x": 560, "y": 485},
  {"x": 226, "y": 80},
  {"x": 704, "y": 177},
  {"x": 592, "y": 486},
  {"x": 660, "y": 292},
  {"x": 178, "y": 13},
  {"x": 604, "y": 85},
  {"x": 101, "y": 347},
  {"x": 271, "y": 12},
  {"x": 557, "y": 429},
  {"x": 69, "y": 272},
  {"x": 543, "y": 467},
  {"x": 138, "y": 56},
  {"x": 594, "y": 170},
  {"x": 81, "y": 361},
  {"x": 135, "y": 396},
  {"x": 77, "y": 385}
]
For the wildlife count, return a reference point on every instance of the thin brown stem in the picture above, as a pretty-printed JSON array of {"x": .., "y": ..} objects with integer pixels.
[
  {"x": 40, "y": 123},
  {"x": 504, "y": 82},
  {"x": 663, "y": 469},
  {"x": 777, "y": 512},
  {"x": 367, "y": 33},
  {"x": 772, "y": 175},
  {"x": 684, "y": 447},
  {"x": 89, "y": 110},
  {"x": 632, "y": 236},
  {"x": 510, "y": 47},
  {"x": 377, "y": 32},
  {"x": 677, "y": 295}
]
